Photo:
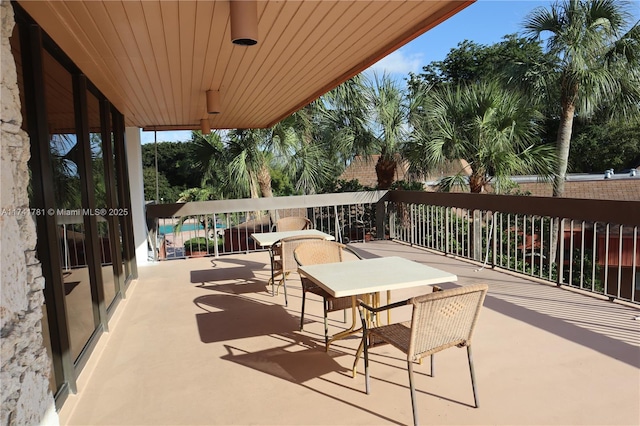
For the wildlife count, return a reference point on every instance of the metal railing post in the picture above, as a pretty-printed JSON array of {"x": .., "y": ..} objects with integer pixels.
[
  {"x": 447, "y": 231},
  {"x": 154, "y": 238},
  {"x": 560, "y": 254},
  {"x": 216, "y": 252},
  {"x": 494, "y": 237},
  {"x": 337, "y": 224},
  {"x": 412, "y": 227},
  {"x": 477, "y": 234}
]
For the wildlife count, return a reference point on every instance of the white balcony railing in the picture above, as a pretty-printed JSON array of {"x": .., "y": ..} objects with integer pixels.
[{"x": 592, "y": 245}]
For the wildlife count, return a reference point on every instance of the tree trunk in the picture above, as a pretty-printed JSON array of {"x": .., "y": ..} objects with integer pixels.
[
  {"x": 563, "y": 143},
  {"x": 264, "y": 181},
  {"x": 253, "y": 188},
  {"x": 386, "y": 172},
  {"x": 476, "y": 183}
]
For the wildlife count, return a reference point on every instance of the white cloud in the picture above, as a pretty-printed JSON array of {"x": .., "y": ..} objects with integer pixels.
[{"x": 399, "y": 62}]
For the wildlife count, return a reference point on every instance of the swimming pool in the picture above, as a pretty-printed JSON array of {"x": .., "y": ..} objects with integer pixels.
[{"x": 168, "y": 229}]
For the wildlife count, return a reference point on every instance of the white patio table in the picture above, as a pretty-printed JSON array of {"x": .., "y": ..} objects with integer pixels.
[
  {"x": 268, "y": 239},
  {"x": 372, "y": 276}
]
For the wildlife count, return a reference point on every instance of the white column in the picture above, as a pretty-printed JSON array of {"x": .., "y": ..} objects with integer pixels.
[{"x": 136, "y": 185}]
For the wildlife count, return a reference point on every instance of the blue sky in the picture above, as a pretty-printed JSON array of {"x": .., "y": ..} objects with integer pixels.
[{"x": 484, "y": 22}]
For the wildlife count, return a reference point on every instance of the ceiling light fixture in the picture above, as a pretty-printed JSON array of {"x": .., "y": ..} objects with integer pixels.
[
  {"x": 204, "y": 126},
  {"x": 213, "y": 101},
  {"x": 244, "y": 22}
]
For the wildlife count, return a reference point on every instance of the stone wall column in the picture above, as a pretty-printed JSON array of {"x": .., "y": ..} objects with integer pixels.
[{"x": 25, "y": 367}]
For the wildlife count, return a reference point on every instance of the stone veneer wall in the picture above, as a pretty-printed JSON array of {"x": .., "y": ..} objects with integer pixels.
[{"x": 26, "y": 399}]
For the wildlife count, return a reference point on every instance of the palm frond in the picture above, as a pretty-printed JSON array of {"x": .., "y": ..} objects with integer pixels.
[
  {"x": 310, "y": 169},
  {"x": 450, "y": 183}
]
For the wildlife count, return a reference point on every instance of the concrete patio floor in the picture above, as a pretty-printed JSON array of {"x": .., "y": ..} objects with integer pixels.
[{"x": 201, "y": 342}]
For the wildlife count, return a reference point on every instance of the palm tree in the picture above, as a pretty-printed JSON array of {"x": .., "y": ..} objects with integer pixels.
[
  {"x": 248, "y": 166},
  {"x": 596, "y": 62},
  {"x": 389, "y": 112},
  {"x": 325, "y": 135},
  {"x": 239, "y": 165},
  {"x": 344, "y": 120},
  {"x": 301, "y": 150},
  {"x": 492, "y": 128},
  {"x": 211, "y": 160},
  {"x": 313, "y": 145}
]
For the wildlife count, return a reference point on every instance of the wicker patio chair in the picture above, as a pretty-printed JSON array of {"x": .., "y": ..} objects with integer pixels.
[
  {"x": 439, "y": 320},
  {"x": 292, "y": 223},
  {"x": 317, "y": 252},
  {"x": 283, "y": 261}
]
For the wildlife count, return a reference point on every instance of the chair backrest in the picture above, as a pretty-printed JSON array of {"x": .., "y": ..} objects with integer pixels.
[
  {"x": 287, "y": 246},
  {"x": 319, "y": 251},
  {"x": 292, "y": 223},
  {"x": 444, "y": 319}
]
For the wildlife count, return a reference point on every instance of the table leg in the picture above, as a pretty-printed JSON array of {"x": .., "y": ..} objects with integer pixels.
[
  {"x": 351, "y": 330},
  {"x": 371, "y": 318},
  {"x": 389, "y": 310},
  {"x": 272, "y": 280},
  {"x": 372, "y": 321}
]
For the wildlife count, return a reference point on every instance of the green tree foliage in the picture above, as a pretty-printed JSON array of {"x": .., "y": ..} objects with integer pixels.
[
  {"x": 166, "y": 192},
  {"x": 211, "y": 164},
  {"x": 390, "y": 109},
  {"x": 325, "y": 135},
  {"x": 66, "y": 178},
  {"x": 472, "y": 62},
  {"x": 197, "y": 194},
  {"x": 198, "y": 163},
  {"x": 304, "y": 153},
  {"x": 176, "y": 161},
  {"x": 281, "y": 182},
  {"x": 341, "y": 185},
  {"x": 494, "y": 129},
  {"x": 344, "y": 120},
  {"x": 404, "y": 185},
  {"x": 596, "y": 51},
  {"x": 249, "y": 157},
  {"x": 601, "y": 146},
  {"x": 515, "y": 62}
]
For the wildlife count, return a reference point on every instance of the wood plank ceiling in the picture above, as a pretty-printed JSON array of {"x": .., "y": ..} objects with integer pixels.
[{"x": 155, "y": 60}]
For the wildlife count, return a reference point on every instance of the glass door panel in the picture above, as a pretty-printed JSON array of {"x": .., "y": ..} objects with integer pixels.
[{"x": 101, "y": 188}]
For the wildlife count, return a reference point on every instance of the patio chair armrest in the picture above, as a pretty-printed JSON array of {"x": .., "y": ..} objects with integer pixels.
[
  {"x": 383, "y": 308},
  {"x": 353, "y": 252},
  {"x": 369, "y": 308},
  {"x": 363, "y": 306}
]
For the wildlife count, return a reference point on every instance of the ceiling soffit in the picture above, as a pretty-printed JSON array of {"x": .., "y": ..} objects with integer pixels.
[{"x": 155, "y": 60}]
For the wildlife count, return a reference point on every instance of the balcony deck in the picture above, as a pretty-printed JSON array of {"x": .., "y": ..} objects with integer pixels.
[{"x": 200, "y": 341}]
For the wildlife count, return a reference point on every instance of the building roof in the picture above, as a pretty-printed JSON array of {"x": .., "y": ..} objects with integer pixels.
[
  {"x": 598, "y": 188},
  {"x": 364, "y": 170},
  {"x": 155, "y": 60},
  {"x": 621, "y": 186}
]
